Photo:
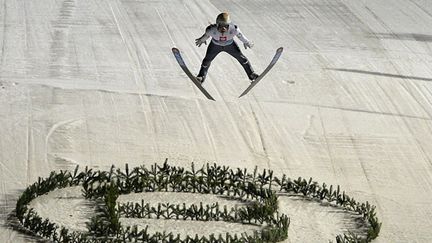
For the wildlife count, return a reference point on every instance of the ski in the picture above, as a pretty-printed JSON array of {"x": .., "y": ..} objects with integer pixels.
[
  {"x": 183, "y": 66},
  {"x": 261, "y": 76}
]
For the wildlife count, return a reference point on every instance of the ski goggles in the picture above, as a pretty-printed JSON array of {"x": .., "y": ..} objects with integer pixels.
[{"x": 220, "y": 26}]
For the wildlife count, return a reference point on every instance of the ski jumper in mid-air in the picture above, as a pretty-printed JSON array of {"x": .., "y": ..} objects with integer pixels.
[{"x": 222, "y": 34}]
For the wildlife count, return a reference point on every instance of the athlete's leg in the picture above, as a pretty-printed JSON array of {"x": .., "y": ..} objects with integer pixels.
[
  {"x": 234, "y": 50},
  {"x": 212, "y": 51}
]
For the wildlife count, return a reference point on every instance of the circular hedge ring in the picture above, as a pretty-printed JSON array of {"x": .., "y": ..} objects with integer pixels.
[{"x": 260, "y": 189}]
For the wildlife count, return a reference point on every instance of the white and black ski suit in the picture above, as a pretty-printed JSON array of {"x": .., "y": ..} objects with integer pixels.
[{"x": 224, "y": 42}]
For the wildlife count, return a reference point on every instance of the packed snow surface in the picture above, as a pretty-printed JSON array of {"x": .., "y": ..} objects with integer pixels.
[{"x": 94, "y": 83}]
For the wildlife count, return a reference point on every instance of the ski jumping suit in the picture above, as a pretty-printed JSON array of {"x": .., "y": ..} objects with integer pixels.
[{"x": 223, "y": 42}]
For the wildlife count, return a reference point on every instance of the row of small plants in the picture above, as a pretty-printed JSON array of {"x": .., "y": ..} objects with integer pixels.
[
  {"x": 194, "y": 212},
  {"x": 208, "y": 179},
  {"x": 30, "y": 220},
  {"x": 104, "y": 187},
  {"x": 312, "y": 189},
  {"x": 276, "y": 228}
]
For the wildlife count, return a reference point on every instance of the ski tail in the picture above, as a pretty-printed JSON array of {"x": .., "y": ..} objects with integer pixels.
[{"x": 183, "y": 66}]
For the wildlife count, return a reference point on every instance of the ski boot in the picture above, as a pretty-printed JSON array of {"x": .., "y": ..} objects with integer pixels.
[
  {"x": 200, "y": 79},
  {"x": 253, "y": 76}
]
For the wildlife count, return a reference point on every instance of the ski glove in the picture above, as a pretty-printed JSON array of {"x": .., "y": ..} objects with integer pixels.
[
  {"x": 200, "y": 41},
  {"x": 248, "y": 44}
]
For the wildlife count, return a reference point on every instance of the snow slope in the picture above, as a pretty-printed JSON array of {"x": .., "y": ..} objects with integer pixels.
[{"x": 94, "y": 83}]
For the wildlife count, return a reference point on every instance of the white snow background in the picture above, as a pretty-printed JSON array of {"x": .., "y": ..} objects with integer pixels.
[{"x": 94, "y": 83}]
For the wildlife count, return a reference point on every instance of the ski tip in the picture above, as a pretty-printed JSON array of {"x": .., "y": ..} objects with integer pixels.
[
  {"x": 175, "y": 49},
  {"x": 243, "y": 93},
  {"x": 279, "y": 49}
]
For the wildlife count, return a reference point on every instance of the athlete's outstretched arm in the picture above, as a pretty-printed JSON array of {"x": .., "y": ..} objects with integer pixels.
[
  {"x": 246, "y": 42},
  {"x": 203, "y": 38}
]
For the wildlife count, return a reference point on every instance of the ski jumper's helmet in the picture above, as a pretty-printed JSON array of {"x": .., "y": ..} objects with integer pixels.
[{"x": 223, "y": 19}]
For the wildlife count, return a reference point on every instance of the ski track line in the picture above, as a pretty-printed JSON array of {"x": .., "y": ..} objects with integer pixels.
[
  {"x": 277, "y": 133},
  {"x": 24, "y": 9},
  {"x": 329, "y": 150},
  {"x": 130, "y": 45},
  {"x": 418, "y": 143},
  {"x": 28, "y": 146},
  {"x": 154, "y": 127},
  {"x": 365, "y": 172},
  {"x": 207, "y": 129},
  {"x": 123, "y": 39},
  {"x": 165, "y": 26},
  {"x": 137, "y": 65},
  {"x": 385, "y": 26},
  {"x": 3, "y": 204},
  {"x": 402, "y": 42},
  {"x": 94, "y": 59},
  {"x": 348, "y": 109},
  {"x": 3, "y": 57},
  {"x": 309, "y": 125},
  {"x": 414, "y": 97},
  {"x": 259, "y": 129},
  {"x": 53, "y": 129},
  {"x": 238, "y": 126},
  {"x": 86, "y": 119},
  {"x": 407, "y": 126},
  {"x": 395, "y": 67},
  {"x": 426, "y": 92},
  {"x": 198, "y": 101},
  {"x": 421, "y": 9},
  {"x": 119, "y": 146},
  {"x": 261, "y": 136},
  {"x": 29, "y": 135},
  {"x": 8, "y": 170}
]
